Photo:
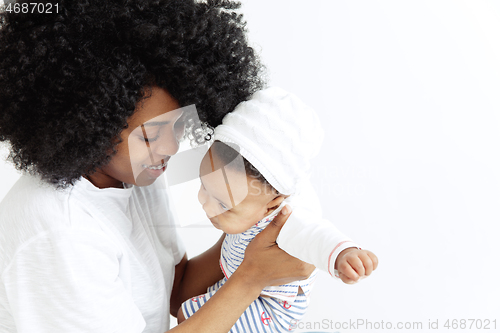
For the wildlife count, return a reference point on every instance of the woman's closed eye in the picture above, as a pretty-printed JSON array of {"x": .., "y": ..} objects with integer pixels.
[{"x": 146, "y": 139}]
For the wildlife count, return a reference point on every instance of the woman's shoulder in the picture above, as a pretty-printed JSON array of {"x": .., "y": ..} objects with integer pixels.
[
  {"x": 32, "y": 208},
  {"x": 30, "y": 196}
]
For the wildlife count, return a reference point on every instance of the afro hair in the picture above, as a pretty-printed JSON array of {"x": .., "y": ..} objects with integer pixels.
[{"x": 70, "y": 79}]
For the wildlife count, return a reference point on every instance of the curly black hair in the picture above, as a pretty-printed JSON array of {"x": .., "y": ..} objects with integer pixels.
[{"x": 69, "y": 80}]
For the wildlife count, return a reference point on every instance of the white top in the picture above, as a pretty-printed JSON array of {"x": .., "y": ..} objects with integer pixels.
[{"x": 86, "y": 259}]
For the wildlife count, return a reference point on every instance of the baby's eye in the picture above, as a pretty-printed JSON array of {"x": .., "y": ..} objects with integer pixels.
[{"x": 223, "y": 206}]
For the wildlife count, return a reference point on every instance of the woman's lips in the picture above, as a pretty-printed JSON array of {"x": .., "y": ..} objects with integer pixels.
[
  {"x": 160, "y": 166},
  {"x": 155, "y": 171}
]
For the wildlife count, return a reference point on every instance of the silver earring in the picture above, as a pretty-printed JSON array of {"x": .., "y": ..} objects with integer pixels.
[{"x": 204, "y": 133}]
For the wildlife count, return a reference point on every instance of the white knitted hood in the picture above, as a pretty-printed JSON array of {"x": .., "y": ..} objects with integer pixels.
[{"x": 277, "y": 133}]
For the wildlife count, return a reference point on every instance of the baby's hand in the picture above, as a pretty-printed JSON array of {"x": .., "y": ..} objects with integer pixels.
[{"x": 354, "y": 264}]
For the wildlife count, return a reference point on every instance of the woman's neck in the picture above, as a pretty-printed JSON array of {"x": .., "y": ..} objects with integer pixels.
[{"x": 101, "y": 180}]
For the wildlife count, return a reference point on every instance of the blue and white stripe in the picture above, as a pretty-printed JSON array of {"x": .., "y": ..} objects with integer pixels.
[
  {"x": 278, "y": 309},
  {"x": 265, "y": 314},
  {"x": 233, "y": 252}
]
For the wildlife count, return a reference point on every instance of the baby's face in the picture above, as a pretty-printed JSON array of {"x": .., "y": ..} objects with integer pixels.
[{"x": 233, "y": 201}]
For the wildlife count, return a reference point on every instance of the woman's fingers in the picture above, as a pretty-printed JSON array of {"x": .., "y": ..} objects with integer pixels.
[
  {"x": 266, "y": 263},
  {"x": 271, "y": 232},
  {"x": 307, "y": 270}
]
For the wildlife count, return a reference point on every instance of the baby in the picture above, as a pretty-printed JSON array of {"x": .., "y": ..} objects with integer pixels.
[{"x": 260, "y": 162}]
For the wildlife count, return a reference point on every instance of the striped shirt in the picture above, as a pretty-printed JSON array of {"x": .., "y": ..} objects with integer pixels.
[
  {"x": 233, "y": 252},
  {"x": 278, "y": 309}
]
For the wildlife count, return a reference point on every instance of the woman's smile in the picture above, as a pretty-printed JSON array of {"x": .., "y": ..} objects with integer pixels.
[{"x": 162, "y": 165}]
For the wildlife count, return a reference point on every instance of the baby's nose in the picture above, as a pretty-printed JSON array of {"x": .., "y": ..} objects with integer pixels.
[{"x": 202, "y": 196}]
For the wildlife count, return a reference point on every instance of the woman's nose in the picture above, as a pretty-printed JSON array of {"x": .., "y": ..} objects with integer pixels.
[{"x": 168, "y": 146}]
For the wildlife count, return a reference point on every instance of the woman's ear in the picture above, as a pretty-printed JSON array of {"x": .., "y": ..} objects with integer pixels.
[{"x": 273, "y": 204}]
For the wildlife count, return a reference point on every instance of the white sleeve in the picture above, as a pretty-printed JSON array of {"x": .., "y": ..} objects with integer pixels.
[
  {"x": 309, "y": 237},
  {"x": 67, "y": 281}
]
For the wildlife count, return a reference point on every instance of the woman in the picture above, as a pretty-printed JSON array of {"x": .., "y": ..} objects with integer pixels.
[{"x": 89, "y": 94}]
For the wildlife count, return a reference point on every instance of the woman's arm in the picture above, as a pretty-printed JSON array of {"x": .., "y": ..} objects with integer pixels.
[
  {"x": 264, "y": 264},
  {"x": 222, "y": 310},
  {"x": 194, "y": 276}
]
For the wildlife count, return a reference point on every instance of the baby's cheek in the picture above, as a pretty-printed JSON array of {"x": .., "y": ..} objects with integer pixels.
[
  {"x": 233, "y": 225},
  {"x": 247, "y": 224}
]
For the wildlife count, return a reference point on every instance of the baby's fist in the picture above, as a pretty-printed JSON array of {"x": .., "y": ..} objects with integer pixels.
[{"x": 354, "y": 264}]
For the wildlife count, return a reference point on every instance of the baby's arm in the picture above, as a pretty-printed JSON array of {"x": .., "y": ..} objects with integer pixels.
[{"x": 309, "y": 237}]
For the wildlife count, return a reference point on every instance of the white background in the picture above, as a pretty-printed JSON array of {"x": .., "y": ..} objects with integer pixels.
[{"x": 409, "y": 95}]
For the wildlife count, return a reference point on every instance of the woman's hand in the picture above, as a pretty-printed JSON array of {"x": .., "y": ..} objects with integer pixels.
[{"x": 266, "y": 264}]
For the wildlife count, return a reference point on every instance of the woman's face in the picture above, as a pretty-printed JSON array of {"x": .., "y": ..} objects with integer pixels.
[{"x": 151, "y": 138}]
